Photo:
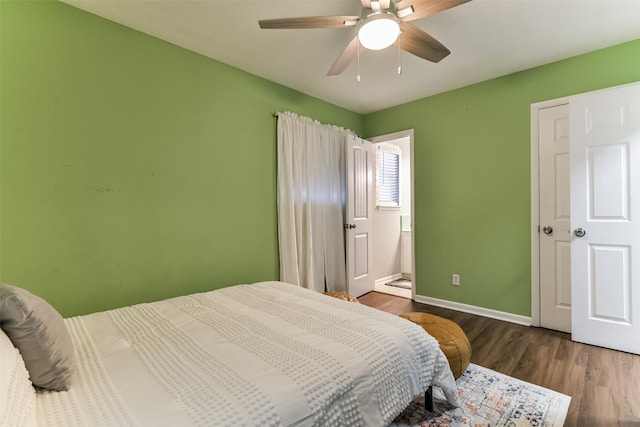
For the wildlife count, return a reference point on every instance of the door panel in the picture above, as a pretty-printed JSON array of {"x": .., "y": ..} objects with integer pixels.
[
  {"x": 610, "y": 290},
  {"x": 605, "y": 203},
  {"x": 608, "y": 182},
  {"x": 563, "y": 276},
  {"x": 359, "y": 209},
  {"x": 361, "y": 255},
  {"x": 555, "y": 249}
]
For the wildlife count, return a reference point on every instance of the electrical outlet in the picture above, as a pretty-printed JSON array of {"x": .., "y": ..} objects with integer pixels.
[{"x": 455, "y": 279}]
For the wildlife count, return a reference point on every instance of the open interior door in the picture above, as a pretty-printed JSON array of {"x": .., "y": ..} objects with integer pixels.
[
  {"x": 359, "y": 207},
  {"x": 605, "y": 218},
  {"x": 555, "y": 218}
]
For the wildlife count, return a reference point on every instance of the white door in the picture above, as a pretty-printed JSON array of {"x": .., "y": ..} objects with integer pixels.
[
  {"x": 605, "y": 210},
  {"x": 555, "y": 250},
  {"x": 359, "y": 208}
]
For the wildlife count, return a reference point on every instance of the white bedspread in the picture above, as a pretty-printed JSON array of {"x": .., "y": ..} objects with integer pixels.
[{"x": 267, "y": 354}]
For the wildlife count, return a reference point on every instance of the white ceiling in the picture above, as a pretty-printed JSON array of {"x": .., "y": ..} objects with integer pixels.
[{"x": 487, "y": 38}]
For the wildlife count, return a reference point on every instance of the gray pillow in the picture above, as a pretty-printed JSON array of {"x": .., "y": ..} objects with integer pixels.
[{"x": 39, "y": 332}]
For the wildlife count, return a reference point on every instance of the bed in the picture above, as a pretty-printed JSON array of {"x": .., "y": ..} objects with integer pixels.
[{"x": 265, "y": 354}]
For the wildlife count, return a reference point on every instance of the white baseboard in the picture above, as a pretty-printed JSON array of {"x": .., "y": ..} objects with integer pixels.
[
  {"x": 480, "y": 311},
  {"x": 388, "y": 279}
]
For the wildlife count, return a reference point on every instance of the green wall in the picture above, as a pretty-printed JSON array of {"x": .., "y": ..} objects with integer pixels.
[
  {"x": 132, "y": 170},
  {"x": 472, "y": 175}
]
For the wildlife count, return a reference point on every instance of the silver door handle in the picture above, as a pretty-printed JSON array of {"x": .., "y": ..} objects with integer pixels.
[
  {"x": 580, "y": 232},
  {"x": 547, "y": 230}
]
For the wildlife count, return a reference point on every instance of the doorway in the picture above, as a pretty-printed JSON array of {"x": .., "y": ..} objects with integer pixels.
[{"x": 393, "y": 224}]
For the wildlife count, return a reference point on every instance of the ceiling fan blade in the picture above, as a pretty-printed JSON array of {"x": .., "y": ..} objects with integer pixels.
[
  {"x": 342, "y": 62},
  {"x": 410, "y": 10},
  {"x": 417, "y": 42},
  {"x": 310, "y": 22}
]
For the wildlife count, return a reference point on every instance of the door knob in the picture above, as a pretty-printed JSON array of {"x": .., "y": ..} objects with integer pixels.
[
  {"x": 580, "y": 232},
  {"x": 547, "y": 230},
  {"x": 347, "y": 226}
]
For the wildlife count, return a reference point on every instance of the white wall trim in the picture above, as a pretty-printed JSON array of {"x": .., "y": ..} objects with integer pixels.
[
  {"x": 388, "y": 279},
  {"x": 535, "y": 204},
  {"x": 480, "y": 311}
]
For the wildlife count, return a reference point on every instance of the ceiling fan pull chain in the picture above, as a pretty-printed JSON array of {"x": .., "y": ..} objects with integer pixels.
[
  {"x": 399, "y": 58},
  {"x": 358, "y": 76}
]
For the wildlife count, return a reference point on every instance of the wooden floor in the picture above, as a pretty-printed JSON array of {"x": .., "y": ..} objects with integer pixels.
[{"x": 604, "y": 385}]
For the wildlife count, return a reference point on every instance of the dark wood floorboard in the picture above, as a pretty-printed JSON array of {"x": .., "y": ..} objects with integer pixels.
[{"x": 604, "y": 384}]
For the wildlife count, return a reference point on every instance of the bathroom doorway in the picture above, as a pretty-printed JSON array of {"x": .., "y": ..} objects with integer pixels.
[{"x": 393, "y": 261}]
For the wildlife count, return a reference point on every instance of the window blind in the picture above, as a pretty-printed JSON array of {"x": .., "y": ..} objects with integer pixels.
[{"x": 388, "y": 177}]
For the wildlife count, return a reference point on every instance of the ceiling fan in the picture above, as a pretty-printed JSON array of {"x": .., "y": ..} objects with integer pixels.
[{"x": 380, "y": 24}]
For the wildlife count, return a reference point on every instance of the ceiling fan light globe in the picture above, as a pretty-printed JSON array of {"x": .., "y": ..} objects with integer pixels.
[{"x": 379, "y": 32}]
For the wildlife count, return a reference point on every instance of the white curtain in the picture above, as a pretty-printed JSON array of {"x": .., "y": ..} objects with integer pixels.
[{"x": 310, "y": 203}]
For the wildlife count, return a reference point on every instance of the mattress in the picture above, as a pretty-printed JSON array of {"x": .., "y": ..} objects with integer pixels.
[{"x": 266, "y": 354}]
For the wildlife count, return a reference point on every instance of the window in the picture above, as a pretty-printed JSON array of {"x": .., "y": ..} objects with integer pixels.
[{"x": 388, "y": 175}]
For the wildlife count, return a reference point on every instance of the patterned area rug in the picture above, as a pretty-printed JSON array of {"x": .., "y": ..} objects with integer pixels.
[{"x": 490, "y": 399}]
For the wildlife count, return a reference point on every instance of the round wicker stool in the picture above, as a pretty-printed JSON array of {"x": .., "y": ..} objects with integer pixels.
[
  {"x": 342, "y": 295},
  {"x": 452, "y": 339}
]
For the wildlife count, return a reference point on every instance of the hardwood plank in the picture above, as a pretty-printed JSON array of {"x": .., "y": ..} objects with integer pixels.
[{"x": 604, "y": 384}]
